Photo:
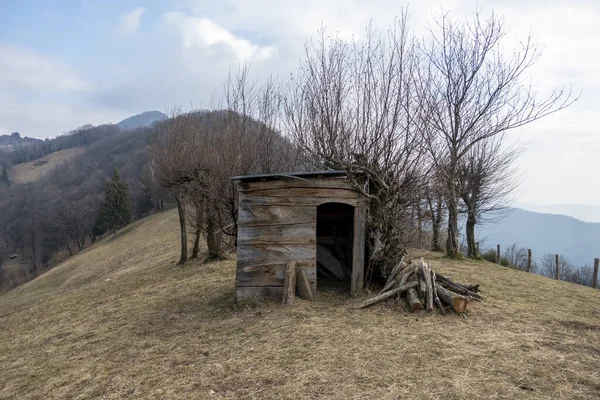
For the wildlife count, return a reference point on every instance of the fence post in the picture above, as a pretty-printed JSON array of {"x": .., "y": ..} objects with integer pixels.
[
  {"x": 498, "y": 254},
  {"x": 557, "y": 275},
  {"x": 528, "y": 260},
  {"x": 595, "y": 276}
]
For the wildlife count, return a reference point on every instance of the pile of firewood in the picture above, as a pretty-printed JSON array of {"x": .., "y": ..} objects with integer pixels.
[{"x": 417, "y": 284}]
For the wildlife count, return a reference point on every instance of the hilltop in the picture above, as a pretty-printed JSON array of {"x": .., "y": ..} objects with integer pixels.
[
  {"x": 142, "y": 120},
  {"x": 121, "y": 320}
]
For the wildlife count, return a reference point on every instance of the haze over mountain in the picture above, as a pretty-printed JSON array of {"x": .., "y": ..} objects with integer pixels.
[
  {"x": 142, "y": 120},
  {"x": 583, "y": 212},
  {"x": 544, "y": 233}
]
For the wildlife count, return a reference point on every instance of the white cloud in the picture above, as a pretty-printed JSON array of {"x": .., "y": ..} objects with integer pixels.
[
  {"x": 203, "y": 33},
  {"x": 48, "y": 119},
  {"x": 130, "y": 22},
  {"x": 23, "y": 69}
]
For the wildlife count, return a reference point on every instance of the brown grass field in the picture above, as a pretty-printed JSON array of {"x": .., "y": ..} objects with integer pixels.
[
  {"x": 29, "y": 171},
  {"x": 121, "y": 320}
]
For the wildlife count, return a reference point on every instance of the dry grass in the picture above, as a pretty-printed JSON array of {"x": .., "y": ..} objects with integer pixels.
[
  {"x": 34, "y": 170},
  {"x": 121, "y": 321}
]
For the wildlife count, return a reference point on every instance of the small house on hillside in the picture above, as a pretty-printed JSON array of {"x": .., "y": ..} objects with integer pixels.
[{"x": 315, "y": 219}]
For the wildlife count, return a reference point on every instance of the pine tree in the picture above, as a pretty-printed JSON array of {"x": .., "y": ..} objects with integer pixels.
[
  {"x": 115, "y": 210},
  {"x": 4, "y": 180},
  {"x": 145, "y": 203}
]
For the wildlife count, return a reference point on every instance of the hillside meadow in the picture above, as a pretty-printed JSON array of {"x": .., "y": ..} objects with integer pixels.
[{"x": 121, "y": 320}]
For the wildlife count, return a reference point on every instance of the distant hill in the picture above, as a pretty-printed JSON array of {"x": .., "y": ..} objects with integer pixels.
[
  {"x": 141, "y": 120},
  {"x": 14, "y": 141},
  {"x": 583, "y": 212},
  {"x": 545, "y": 233},
  {"x": 34, "y": 170}
]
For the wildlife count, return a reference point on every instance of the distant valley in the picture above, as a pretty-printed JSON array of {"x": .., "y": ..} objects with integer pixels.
[{"x": 544, "y": 233}]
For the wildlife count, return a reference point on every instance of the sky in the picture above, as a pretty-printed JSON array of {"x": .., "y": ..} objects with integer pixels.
[{"x": 64, "y": 64}]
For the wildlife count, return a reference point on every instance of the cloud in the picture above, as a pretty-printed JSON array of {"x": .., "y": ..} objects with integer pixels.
[
  {"x": 49, "y": 119},
  {"x": 129, "y": 23},
  {"x": 202, "y": 33},
  {"x": 24, "y": 70}
]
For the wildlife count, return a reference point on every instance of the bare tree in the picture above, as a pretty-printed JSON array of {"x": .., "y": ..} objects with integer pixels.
[
  {"x": 473, "y": 91},
  {"x": 173, "y": 153},
  {"x": 485, "y": 179},
  {"x": 351, "y": 106}
]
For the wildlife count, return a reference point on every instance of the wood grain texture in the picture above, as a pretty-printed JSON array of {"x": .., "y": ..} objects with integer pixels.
[
  {"x": 248, "y": 200},
  {"x": 289, "y": 284},
  {"x": 303, "y": 285},
  {"x": 273, "y": 274},
  {"x": 278, "y": 234},
  {"x": 358, "y": 250},
  {"x": 264, "y": 216},
  {"x": 328, "y": 183}
]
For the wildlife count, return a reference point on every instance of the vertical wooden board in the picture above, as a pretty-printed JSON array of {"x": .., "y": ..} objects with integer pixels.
[
  {"x": 278, "y": 234},
  {"x": 304, "y": 286},
  {"x": 358, "y": 250},
  {"x": 264, "y": 216},
  {"x": 289, "y": 284}
]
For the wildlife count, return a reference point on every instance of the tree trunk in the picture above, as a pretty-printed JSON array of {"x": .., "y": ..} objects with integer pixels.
[
  {"x": 471, "y": 245},
  {"x": 452, "y": 240},
  {"x": 199, "y": 206},
  {"x": 436, "y": 222},
  {"x": 182, "y": 227},
  {"x": 196, "y": 249},
  {"x": 213, "y": 234}
]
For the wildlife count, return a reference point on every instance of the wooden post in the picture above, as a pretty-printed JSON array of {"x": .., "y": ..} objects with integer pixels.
[
  {"x": 303, "y": 286},
  {"x": 557, "y": 275},
  {"x": 289, "y": 283},
  {"x": 498, "y": 254},
  {"x": 358, "y": 250},
  {"x": 528, "y": 260},
  {"x": 595, "y": 276}
]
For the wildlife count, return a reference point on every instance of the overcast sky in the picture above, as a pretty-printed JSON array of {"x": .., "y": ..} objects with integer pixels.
[{"x": 87, "y": 61}]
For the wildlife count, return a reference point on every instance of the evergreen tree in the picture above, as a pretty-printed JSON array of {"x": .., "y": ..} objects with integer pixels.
[
  {"x": 145, "y": 203},
  {"x": 4, "y": 180},
  {"x": 115, "y": 210}
]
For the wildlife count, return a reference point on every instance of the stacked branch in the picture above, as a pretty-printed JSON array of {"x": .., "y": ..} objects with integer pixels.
[{"x": 422, "y": 289}]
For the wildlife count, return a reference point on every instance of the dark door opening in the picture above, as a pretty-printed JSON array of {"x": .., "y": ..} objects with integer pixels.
[{"x": 335, "y": 227}]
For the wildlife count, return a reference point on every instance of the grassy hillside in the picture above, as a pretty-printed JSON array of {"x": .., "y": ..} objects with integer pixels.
[
  {"x": 121, "y": 320},
  {"x": 33, "y": 170}
]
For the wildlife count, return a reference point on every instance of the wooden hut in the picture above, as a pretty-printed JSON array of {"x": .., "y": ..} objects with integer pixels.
[{"x": 308, "y": 217}]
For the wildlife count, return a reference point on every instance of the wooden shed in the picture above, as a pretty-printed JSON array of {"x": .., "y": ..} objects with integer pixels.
[{"x": 304, "y": 217}]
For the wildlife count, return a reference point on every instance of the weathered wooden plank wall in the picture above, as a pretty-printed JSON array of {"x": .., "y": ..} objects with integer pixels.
[{"x": 276, "y": 224}]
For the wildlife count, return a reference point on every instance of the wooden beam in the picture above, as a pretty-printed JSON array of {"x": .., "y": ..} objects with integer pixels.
[
  {"x": 303, "y": 286},
  {"x": 358, "y": 250},
  {"x": 289, "y": 284}
]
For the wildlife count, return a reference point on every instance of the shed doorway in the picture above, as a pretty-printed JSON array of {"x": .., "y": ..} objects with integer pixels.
[{"x": 335, "y": 238}]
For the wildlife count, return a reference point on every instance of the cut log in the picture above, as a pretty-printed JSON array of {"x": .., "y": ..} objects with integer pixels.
[
  {"x": 387, "y": 295},
  {"x": 458, "y": 288},
  {"x": 393, "y": 276},
  {"x": 289, "y": 283},
  {"x": 436, "y": 299},
  {"x": 303, "y": 286},
  {"x": 426, "y": 272},
  {"x": 413, "y": 300},
  {"x": 456, "y": 301}
]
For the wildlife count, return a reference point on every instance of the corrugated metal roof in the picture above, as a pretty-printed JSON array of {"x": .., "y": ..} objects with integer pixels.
[{"x": 283, "y": 175}]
